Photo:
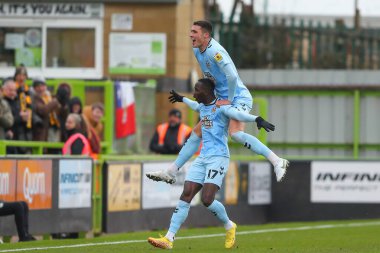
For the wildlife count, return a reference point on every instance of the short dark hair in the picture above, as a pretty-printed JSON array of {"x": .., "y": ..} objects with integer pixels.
[
  {"x": 175, "y": 112},
  {"x": 210, "y": 84},
  {"x": 206, "y": 25}
]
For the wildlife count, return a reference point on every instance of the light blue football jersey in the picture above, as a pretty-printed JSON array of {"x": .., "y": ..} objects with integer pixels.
[
  {"x": 214, "y": 131},
  {"x": 216, "y": 64}
]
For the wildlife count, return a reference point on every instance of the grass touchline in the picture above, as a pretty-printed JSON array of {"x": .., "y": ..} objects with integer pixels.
[{"x": 261, "y": 231}]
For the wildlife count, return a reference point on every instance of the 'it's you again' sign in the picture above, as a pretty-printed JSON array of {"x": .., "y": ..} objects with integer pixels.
[{"x": 68, "y": 10}]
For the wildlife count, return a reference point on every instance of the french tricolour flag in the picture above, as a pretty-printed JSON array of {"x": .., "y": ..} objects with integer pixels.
[{"x": 125, "y": 109}]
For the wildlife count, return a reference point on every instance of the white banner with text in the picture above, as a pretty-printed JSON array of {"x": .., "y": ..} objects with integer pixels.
[
  {"x": 345, "y": 182},
  {"x": 75, "y": 181},
  {"x": 259, "y": 191},
  {"x": 160, "y": 194}
]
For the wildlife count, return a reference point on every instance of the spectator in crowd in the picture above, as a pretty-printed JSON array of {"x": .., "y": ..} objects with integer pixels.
[
  {"x": 18, "y": 130},
  {"x": 21, "y": 212},
  {"x": 25, "y": 100},
  {"x": 63, "y": 96},
  {"x": 45, "y": 107},
  {"x": 170, "y": 136},
  {"x": 20, "y": 77},
  {"x": 75, "y": 105},
  {"x": 77, "y": 142},
  {"x": 93, "y": 115},
  {"x": 6, "y": 117}
]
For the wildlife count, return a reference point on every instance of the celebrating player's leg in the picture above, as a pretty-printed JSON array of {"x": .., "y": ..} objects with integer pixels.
[{"x": 209, "y": 172}]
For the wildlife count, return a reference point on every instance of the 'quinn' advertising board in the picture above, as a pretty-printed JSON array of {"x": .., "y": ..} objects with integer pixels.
[{"x": 34, "y": 183}]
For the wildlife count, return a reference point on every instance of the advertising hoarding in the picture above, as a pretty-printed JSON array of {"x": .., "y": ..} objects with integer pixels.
[
  {"x": 345, "y": 182},
  {"x": 8, "y": 180},
  {"x": 260, "y": 176},
  {"x": 34, "y": 183},
  {"x": 160, "y": 194},
  {"x": 124, "y": 187},
  {"x": 75, "y": 181}
]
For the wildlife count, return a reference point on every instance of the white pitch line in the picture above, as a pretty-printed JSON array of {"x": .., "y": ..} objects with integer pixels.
[{"x": 262, "y": 231}]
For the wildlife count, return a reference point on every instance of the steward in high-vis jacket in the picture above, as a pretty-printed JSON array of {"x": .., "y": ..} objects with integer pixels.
[{"x": 170, "y": 136}]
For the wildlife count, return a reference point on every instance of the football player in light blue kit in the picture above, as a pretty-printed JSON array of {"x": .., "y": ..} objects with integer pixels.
[
  {"x": 209, "y": 169},
  {"x": 217, "y": 65}
]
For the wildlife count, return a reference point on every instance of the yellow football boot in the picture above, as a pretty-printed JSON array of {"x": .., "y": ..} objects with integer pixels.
[
  {"x": 162, "y": 242},
  {"x": 230, "y": 237}
]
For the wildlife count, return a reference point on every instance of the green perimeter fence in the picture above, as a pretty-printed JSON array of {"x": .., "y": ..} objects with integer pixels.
[{"x": 353, "y": 147}]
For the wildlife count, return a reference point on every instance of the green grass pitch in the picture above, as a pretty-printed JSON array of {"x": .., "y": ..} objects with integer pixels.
[{"x": 319, "y": 237}]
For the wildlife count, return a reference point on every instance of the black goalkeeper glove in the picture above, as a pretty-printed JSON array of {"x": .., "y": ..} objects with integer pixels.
[
  {"x": 175, "y": 97},
  {"x": 262, "y": 123}
]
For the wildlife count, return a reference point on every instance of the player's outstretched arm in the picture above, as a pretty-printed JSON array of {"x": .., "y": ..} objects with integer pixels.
[
  {"x": 175, "y": 97},
  {"x": 235, "y": 114},
  {"x": 191, "y": 103}
]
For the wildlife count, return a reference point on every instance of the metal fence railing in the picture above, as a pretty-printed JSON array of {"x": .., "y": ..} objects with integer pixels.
[{"x": 286, "y": 44}]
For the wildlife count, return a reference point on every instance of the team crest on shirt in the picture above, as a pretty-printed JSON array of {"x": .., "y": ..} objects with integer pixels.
[
  {"x": 218, "y": 57},
  {"x": 206, "y": 122}
]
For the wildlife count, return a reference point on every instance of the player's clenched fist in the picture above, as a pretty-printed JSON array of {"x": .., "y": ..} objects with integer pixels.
[{"x": 262, "y": 123}]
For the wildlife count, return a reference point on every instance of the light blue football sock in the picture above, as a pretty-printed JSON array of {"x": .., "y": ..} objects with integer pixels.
[
  {"x": 188, "y": 150},
  {"x": 179, "y": 216},
  {"x": 252, "y": 143},
  {"x": 219, "y": 211}
]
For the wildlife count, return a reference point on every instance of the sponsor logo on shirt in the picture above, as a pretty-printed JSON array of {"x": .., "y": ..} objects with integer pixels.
[
  {"x": 218, "y": 57},
  {"x": 206, "y": 122}
]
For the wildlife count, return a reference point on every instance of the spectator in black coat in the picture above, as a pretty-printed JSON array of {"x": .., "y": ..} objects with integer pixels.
[
  {"x": 18, "y": 130},
  {"x": 21, "y": 212}
]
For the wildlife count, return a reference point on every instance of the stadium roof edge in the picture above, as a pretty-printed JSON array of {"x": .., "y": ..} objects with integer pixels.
[{"x": 97, "y": 1}]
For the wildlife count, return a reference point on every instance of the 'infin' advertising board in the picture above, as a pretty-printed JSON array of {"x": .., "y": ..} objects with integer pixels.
[{"x": 345, "y": 182}]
